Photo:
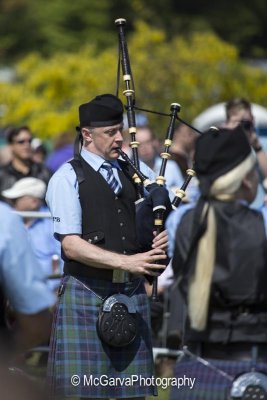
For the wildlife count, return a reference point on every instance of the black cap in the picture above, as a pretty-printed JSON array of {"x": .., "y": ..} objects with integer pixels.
[
  {"x": 217, "y": 152},
  {"x": 103, "y": 110}
]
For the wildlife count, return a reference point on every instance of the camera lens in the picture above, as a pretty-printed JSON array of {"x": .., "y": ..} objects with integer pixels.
[{"x": 247, "y": 125}]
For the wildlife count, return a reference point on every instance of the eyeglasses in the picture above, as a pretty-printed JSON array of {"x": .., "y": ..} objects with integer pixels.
[{"x": 23, "y": 141}]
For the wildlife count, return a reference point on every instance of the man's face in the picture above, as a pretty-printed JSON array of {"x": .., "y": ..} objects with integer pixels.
[
  {"x": 146, "y": 148},
  {"x": 244, "y": 118},
  {"x": 186, "y": 137},
  {"x": 21, "y": 146},
  {"x": 104, "y": 140}
]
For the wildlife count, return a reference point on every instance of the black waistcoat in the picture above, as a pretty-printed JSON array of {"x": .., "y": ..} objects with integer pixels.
[
  {"x": 238, "y": 301},
  {"x": 108, "y": 220}
]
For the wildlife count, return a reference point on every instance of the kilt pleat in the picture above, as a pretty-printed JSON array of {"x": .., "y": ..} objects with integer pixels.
[
  {"x": 75, "y": 348},
  {"x": 209, "y": 383}
]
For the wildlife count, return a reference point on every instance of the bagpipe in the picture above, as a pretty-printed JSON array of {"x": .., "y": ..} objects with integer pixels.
[{"x": 153, "y": 209}]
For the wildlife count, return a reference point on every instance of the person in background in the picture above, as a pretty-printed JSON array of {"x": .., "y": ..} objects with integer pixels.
[
  {"x": 23, "y": 285},
  {"x": 28, "y": 194},
  {"x": 24, "y": 290},
  {"x": 5, "y": 152},
  {"x": 238, "y": 111},
  {"x": 39, "y": 151},
  {"x": 148, "y": 151},
  {"x": 141, "y": 120},
  {"x": 182, "y": 152},
  {"x": 183, "y": 147},
  {"x": 62, "y": 151},
  {"x": 219, "y": 251},
  {"x": 21, "y": 164}
]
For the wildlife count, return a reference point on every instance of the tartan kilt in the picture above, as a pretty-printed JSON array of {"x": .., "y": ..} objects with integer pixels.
[
  {"x": 75, "y": 348},
  {"x": 209, "y": 383}
]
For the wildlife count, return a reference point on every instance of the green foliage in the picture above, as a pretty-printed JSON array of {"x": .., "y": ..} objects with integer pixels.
[
  {"x": 242, "y": 23},
  {"x": 196, "y": 72},
  {"x": 49, "y": 26}
]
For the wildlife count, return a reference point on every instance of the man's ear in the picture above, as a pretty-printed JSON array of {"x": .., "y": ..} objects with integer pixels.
[{"x": 87, "y": 135}]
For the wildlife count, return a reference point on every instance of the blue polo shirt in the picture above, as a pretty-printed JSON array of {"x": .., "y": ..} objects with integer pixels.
[
  {"x": 45, "y": 246},
  {"x": 20, "y": 275}
]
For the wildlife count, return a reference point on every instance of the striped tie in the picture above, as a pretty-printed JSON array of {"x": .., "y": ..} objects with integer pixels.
[{"x": 111, "y": 180}]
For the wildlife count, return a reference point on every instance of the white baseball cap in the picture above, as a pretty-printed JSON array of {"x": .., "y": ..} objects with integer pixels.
[{"x": 26, "y": 187}]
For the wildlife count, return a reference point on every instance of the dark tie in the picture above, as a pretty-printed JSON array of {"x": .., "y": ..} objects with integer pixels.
[{"x": 111, "y": 180}]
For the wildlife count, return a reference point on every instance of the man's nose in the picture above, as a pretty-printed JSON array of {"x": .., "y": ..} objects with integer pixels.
[{"x": 118, "y": 136}]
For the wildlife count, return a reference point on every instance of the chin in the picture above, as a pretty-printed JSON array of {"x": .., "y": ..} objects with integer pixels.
[
  {"x": 113, "y": 155},
  {"x": 113, "y": 158}
]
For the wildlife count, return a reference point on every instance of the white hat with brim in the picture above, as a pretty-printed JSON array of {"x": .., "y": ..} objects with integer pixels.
[{"x": 26, "y": 187}]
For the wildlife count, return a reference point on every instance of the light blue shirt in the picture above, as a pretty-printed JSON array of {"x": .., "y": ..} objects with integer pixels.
[
  {"x": 175, "y": 217},
  {"x": 62, "y": 195},
  {"x": 45, "y": 246},
  {"x": 20, "y": 275}
]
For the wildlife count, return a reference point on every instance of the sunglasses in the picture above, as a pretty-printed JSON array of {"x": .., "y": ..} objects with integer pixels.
[{"x": 23, "y": 141}]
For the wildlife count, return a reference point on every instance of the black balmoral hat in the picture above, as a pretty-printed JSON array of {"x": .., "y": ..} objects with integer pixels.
[
  {"x": 103, "y": 110},
  {"x": 217, "y": 152}
]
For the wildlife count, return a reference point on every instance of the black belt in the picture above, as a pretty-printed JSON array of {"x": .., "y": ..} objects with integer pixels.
[
  {"x": 230, "y": 351},
  {"x": 77, "y": 269}
]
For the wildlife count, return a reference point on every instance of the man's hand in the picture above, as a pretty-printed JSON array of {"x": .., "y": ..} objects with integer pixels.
[
  {"x": 145, "y": 263},
  {"x": 76, "y": 248},
  {"x": 254, "y": 140},
  {"x": 160, "y": 241}
]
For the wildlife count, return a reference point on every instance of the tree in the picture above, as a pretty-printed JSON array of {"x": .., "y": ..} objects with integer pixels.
[
  {"x": 54, "y": 26},
  {"x": 196, "y": 72},
  {"x": 65, "y": 25},
  {"x": 241, "y": 22}
]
